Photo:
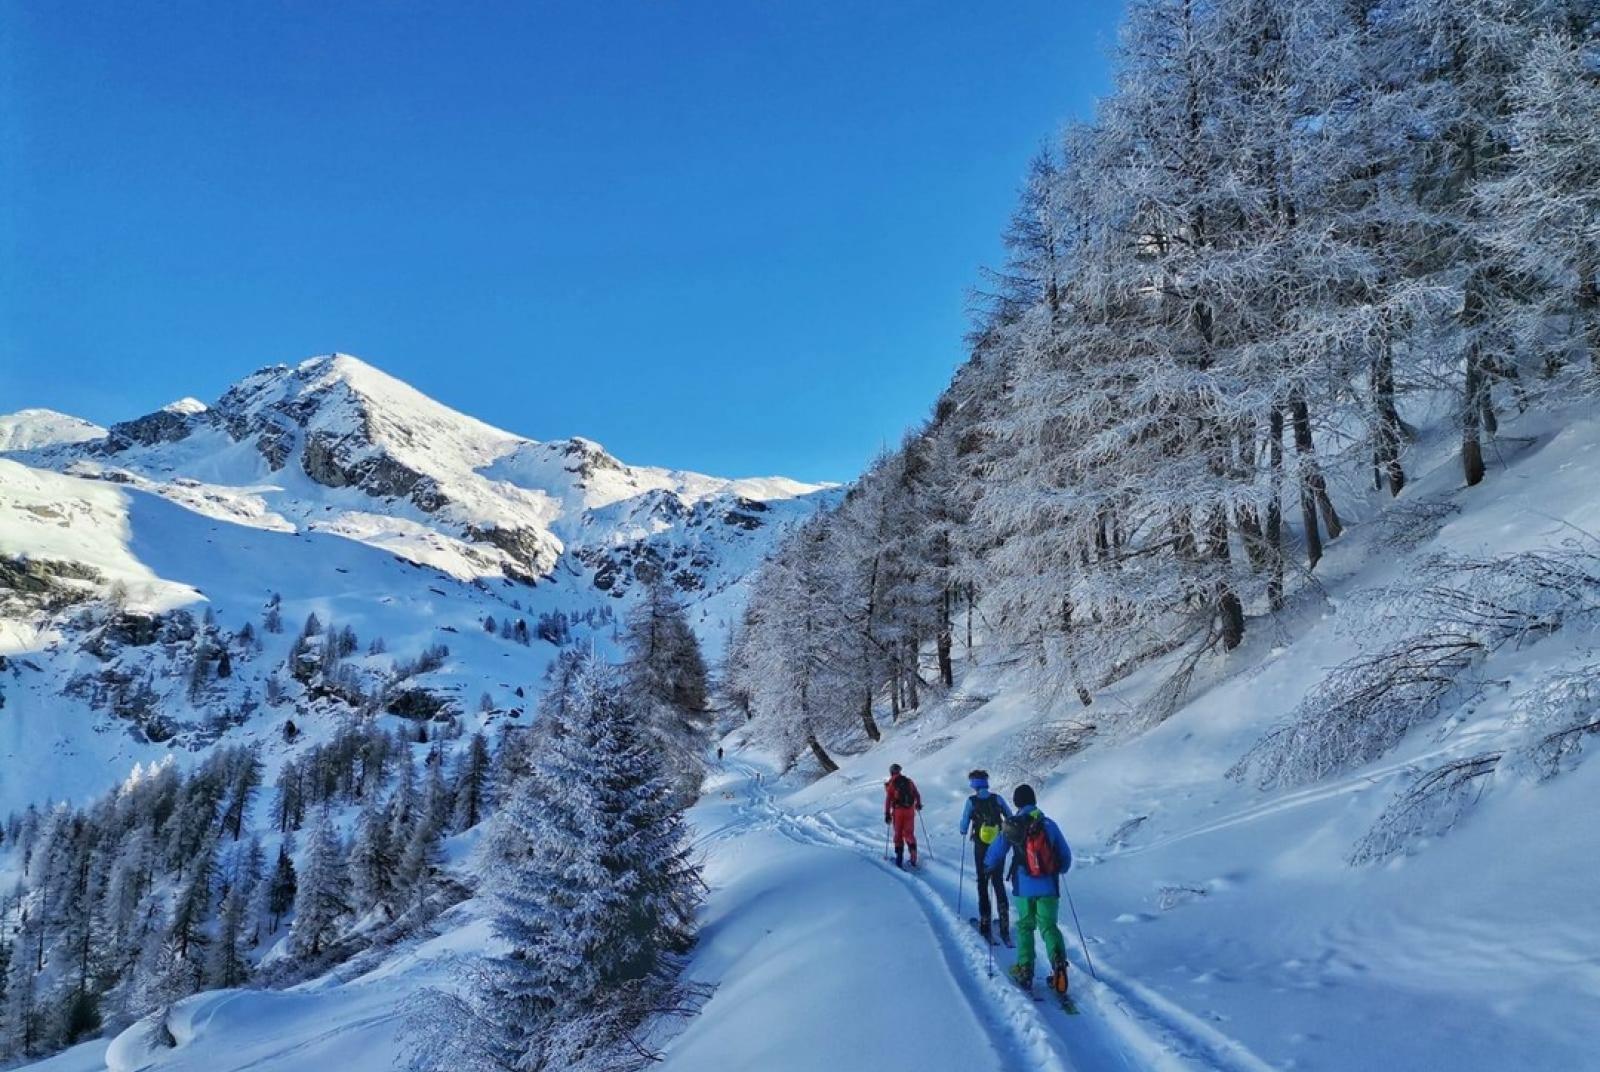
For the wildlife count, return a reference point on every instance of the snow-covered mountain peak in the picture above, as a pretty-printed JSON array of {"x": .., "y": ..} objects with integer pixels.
[
  {"x": 335, "y": 444},
  {"x": 33, "y": 429},
  {"x": 185, "y": 406}
]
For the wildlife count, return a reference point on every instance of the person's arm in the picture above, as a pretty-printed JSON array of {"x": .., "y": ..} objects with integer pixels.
[
  {"x": 996, "y": 854},
  {"x": 1063, "y": 850},
  {"x": 888, "y": 800},
  {"x": 966, "y": 816},
  {"x": 916, "y": 795},
  {"x": 1005, "y": 809}
]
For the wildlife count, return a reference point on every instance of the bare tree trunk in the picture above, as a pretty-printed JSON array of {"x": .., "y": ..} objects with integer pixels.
[
  {"x": 971, "y": 595},
  {"x": 1472, "y": 386},
  {"x": 1315, "y": 487},
  {"x": 821, "y": 753},
  {"x": 1387, "y": 457},
  {"x": 1229, "y": 610},
  {"x": 947, "y": 670},
  {"x": 1274, "y": 529},
  {"x": 913, "y": 697},
  {"x": 869, "y": 723}
]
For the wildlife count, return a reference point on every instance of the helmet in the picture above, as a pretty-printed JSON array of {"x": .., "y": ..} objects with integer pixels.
[{"x": 894, "y": 768}]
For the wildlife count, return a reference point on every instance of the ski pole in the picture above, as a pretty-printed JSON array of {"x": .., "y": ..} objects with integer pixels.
[
  {"x": 885, "y": 841},
  {"x": 1087, "y": 958},
  {"x": 924, "y": 823},
  {"x": 961, "y": 884}
]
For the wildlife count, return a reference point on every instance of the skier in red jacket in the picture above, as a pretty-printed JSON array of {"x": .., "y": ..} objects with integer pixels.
[{"x": 901, "y": 802}]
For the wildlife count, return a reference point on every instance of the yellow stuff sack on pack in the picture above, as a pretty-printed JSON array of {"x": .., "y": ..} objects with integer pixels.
[{"x": 987, "y": 833}]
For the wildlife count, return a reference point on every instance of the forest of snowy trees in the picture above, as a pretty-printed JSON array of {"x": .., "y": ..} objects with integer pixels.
[
  {"x": 1294, "y": 230},
  {"x": 245, "y": 872}
]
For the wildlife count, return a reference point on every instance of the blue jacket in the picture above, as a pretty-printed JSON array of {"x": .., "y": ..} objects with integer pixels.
[
  {"x": 1022, "y": 883},
  {"x": 982, "y": 794}
]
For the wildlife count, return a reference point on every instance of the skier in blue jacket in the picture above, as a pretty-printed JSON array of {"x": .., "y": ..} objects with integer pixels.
[
  {"x": 983, "y": 815},
  {"x": 1040, "y": 856}
]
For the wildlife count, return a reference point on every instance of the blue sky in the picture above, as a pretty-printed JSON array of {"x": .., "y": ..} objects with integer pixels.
[{"x": 735, "y": 237}]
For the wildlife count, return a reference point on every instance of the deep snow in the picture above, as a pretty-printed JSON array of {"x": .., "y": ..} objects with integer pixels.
[{"x": 1227, "y": 925}]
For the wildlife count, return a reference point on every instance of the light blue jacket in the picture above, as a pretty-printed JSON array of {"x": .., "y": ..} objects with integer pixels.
[{"x": 1022, "y": 883}]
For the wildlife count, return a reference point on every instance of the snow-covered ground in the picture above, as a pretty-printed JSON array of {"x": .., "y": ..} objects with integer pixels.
[{"x": 1227, "y": 925}]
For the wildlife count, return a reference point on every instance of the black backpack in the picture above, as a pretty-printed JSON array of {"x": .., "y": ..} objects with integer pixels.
[
  {"x": 986, "y": 812},
  {"x": 903, "y": 797}
]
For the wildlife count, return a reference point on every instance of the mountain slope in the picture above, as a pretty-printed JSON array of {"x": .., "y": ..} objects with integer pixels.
[
  {"x": 31, "y": 429},
  {"x": 330, "y": 489}
]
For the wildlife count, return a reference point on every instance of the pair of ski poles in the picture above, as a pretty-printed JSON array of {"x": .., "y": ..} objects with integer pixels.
[{"x": 961, "y": 891}]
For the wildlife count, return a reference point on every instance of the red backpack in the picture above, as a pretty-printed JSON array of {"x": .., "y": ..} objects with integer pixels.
[{"x": 1034, "y": 850}]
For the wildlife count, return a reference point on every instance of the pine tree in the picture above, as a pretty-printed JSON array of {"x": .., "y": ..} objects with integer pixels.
[
  {"x": 226, "y": 962},
  {"x": 322, "y": 892},
  {"x": 282, "y": 889},
  {"x": 472, "y": 784},
  {"x": 667, "y": 674},
  {"x": 592, "y": 886},
  {"x": 374, "y": 861}
]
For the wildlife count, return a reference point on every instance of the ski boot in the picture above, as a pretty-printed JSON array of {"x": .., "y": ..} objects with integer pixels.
[
  {"x": 1022, "y": 976},
  {"x": 983, "y": 929},
  {"x": 1058, "y": 979},
  {"x": 1005, "y": 929},
  {"x": 899, "y": 861}
]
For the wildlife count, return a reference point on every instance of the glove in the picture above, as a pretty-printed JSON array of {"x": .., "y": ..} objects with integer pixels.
[
  {"x": 887, "y": 820},
  {"x": 919, "y": 807}
]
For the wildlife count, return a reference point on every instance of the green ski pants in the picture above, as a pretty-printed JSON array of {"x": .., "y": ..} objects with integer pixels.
[{"x": 1039, "y": 913}]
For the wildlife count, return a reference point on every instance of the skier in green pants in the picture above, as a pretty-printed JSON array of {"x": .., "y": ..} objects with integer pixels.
[{"x": 1040, "y": 856}]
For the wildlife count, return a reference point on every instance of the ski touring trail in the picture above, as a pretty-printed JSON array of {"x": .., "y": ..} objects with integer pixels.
[{"x": 836, "y": 959}]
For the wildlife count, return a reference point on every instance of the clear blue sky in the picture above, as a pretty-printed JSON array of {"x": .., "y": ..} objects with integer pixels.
[{"x": 731, "y": 236}]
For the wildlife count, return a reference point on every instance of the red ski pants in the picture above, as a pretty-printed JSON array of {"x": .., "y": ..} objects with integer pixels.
[{"x": 905, "y": 830}]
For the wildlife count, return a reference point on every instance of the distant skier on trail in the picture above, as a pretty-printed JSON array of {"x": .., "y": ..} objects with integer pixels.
[
  {"x": 901, "y": 802},
  {"x": 984, "y": 814},
  {"x": 1040, "y": 856},
  {"x": 719, "y": 753}
]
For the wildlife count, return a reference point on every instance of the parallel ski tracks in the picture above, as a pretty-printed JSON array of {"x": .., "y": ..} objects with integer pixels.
[{"x": 1126, "y": 1025}]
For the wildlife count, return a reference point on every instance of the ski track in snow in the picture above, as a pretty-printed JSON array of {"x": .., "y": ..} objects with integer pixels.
[{"x": 1125, "y": 1024}]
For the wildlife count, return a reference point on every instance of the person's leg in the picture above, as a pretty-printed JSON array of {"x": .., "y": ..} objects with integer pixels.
[
  {"x": 979, "y": 851},
  {"x": 1002, "y": 908},
  {"x": 905, "y": 831},
  {"x": 1047, "y": 913},
  {"x": 1025, "y": 927}
]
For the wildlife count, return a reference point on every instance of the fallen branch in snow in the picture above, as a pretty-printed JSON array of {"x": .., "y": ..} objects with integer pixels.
[
  {"x": 1428, "y": 809},
  {"x": 1469, "y": 608},
  {"x": 1361, "y": 710},
  {"x": 1439, "y": 799}
]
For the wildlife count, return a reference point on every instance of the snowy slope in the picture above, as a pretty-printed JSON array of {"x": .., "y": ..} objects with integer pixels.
[
  {"x": 1227, "y": 925},
  {"x": 31, "y": 429}
]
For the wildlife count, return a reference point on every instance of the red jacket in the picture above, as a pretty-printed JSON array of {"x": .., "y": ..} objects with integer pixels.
[{"x": 889, "y": 795}]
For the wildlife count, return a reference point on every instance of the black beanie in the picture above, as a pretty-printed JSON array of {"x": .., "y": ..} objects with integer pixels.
[{"x": 1022, "y": 796}]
